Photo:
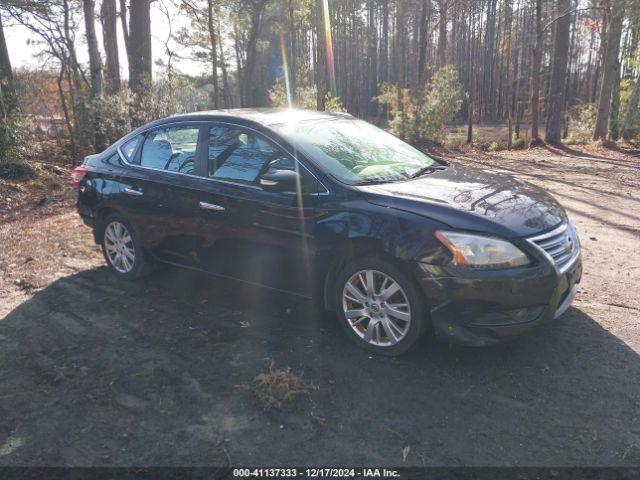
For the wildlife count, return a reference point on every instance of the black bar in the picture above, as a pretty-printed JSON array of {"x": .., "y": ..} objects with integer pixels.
[{"x": 395, "y": 473}]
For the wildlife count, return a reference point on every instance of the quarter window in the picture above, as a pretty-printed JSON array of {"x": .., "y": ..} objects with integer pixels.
[
  {"x": 113, "y": 159},
  {"x": 238, "y": 156},
  {"x": 129, "y": 148},
  {"x": 172, "y": 149}
]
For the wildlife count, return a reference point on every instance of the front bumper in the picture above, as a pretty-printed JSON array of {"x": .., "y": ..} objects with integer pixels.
[{"x": 480, "y": 308}]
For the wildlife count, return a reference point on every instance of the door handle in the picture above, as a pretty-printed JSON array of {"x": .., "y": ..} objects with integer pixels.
[
  {"x": 132, "y": 191},
  {"x": 211, "y": 206}
]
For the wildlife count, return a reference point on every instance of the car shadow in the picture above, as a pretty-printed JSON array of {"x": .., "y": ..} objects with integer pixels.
[{"x": 96, "y": 371}]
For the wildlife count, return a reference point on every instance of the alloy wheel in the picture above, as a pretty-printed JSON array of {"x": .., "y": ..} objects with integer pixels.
[
  {"x": 376, "y": 308},
  {"x": 119, "y": 247}
]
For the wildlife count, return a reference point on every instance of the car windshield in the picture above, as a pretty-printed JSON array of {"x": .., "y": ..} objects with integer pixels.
[{"x": 354, "y": 151}]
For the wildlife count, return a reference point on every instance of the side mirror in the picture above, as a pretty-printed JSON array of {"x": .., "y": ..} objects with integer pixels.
[{"x": 280, "y": 181}]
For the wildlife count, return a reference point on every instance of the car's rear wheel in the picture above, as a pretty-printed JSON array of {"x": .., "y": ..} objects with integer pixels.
[
  {"x": 121, "y": 248},
  {"x": 379, "y": 306}
]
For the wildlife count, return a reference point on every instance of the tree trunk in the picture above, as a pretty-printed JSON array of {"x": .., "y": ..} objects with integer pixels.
[
  {"x": 239, "y": 64},
  {"x": 472, "y": 82},
  {"x": 515, "y": 98},
  {"x": 321, "y": 57},
  {"x": 400, "y": 53},
  {"x": 95, "y": 62},
  {"x": 601, "y": 53},
  {"x": 384, "y": 44},
  {"x": 140, "y": 45},
  {"x": 535, "y": 74},
  {"x": 424, "y": 38},
  {"x": 293, "y": 70},
  {"x": 7, "y": 97},
  {"x": 589, "y": 75},
  {"x": 372, "y": 80},
  {"x": 256, "y": 25},
  {"x": 110, "y": 44},
  {"x": 79, "y": 81},
  {"x": 442, "y": 33},
  {"x": 609, "y": 70},
  {"x": 228, "y": 103},
  {"x": 555, "y": 104},
  {"x": 614, "y": 121},
  {"x": 65, "y": 110},
  {"x": 95, "y": 67},
  {"x": 487, "y": 80},
  {"x": 214, "y": 54},
  {"x": 125, "y": 34},
  {"x": 7, "y": 86}
]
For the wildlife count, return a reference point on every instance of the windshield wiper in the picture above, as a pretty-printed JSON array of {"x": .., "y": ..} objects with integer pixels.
[
  {"x": 422, "y": 171},
  {"x": 429, "y": 169},
  {"x": 374, "y": 182}
]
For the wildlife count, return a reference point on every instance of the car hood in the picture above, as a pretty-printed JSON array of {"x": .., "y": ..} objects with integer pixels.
[{"x": 472, "y": 199}]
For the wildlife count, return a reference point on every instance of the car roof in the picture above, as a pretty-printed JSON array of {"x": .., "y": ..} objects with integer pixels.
[
  {"x": 267, "y": 117},
  {"x": 264, "y": 117}
]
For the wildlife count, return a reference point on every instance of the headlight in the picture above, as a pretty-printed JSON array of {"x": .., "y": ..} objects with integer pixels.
[{"x": 477, "y": 251}]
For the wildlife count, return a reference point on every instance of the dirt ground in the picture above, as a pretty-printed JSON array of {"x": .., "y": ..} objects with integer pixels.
[{"x": 94, "y": 371}]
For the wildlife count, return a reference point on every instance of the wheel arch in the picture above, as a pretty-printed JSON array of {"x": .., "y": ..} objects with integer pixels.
[
  {"x": 98, "y": 225},
  {"x": 341, "y": 254}
]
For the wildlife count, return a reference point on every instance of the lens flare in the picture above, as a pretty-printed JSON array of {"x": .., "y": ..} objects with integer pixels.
[
  {"x": 302, "y": 219},
  {"x": 329, "y": 48},
  {"x": 285, "y": 68}
]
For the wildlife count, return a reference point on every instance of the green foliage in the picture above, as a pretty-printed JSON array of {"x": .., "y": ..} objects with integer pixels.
[
  {"x": 110, "y": 114},
  {"x": 442, "y": 102},
  {"x": 402, "y": 109},
  {"x": 495, "y": 146},
  {"x": 115, "y": 115},
  {"x": 333, "y": 104},
  {"x": 18, "y": 138},
  {"x": 418, "y": 120},
  {"x": 172, "y": 95},
  {"x": 304, "y": 97},
  {"x": 517, "y": 143},
  {"x": 582, "y": 121},
  {"x": 7, "y": 142},
  {"x": 455, "y": 142},
  {"x": 626, "y": 92}
]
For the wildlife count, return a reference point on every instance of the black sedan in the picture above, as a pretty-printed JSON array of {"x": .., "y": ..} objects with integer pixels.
[{"x": 326, "y": 206}]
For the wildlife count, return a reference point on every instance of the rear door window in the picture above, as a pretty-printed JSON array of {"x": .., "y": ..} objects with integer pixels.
[{"x": 172, "y": 149}]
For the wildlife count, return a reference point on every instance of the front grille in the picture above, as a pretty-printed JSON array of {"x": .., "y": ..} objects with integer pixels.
[{"x": 561, "y": 245}]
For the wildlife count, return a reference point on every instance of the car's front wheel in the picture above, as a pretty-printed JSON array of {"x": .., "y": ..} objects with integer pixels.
[
  {"x": 379, "y": 306},
  {"x": 121, "y": 248}
]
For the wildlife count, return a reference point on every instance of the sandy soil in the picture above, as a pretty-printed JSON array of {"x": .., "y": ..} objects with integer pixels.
[{"x": 162, "y": 372}]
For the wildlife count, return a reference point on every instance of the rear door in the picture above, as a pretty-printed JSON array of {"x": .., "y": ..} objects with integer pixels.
[
  {"x": 161, "y": 189},
  {"x": 261, "y": 237}
]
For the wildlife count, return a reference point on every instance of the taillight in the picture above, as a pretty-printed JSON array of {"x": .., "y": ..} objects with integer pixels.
[{"x": 78, "y": 174}]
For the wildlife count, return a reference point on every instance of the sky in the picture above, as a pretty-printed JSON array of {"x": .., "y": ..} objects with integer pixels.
[{"x": 22, "y": 48}]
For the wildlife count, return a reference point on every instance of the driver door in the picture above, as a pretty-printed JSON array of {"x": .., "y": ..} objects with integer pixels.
[{"x": 261, "y": 237}]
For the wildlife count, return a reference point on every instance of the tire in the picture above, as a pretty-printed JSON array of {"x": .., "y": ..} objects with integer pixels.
[
  {"x": 394, "y": 335},
  {"x": 123, "y": 266}
]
